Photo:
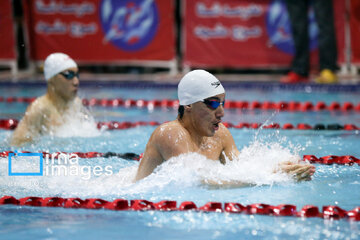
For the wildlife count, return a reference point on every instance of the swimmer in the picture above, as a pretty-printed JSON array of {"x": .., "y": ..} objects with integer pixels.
[
  {"x": 50, "y": 110},
  {"x": 198, "y": 128}
]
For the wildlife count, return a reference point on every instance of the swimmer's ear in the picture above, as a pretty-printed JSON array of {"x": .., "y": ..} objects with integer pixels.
[
  {"x": 188, "y": 107},
  {"x": 51, "y": 81}
]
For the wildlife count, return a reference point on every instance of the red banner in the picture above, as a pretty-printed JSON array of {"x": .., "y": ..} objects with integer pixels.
[
  {"x": 246, "y": 33},
  {"x": 355, "y": 30},
  {"x": 101, "y": 30},
  {"x": 7, "y": 46}
]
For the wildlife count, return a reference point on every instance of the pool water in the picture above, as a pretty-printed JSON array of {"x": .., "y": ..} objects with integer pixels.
[{"x": 180, "y": 179}]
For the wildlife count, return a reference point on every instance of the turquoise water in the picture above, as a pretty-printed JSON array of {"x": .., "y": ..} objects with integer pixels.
[{"x": 180, "y": 179}]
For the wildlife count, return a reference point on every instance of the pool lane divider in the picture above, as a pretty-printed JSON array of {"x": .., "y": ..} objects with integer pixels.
[
  {"x": 326, "y": 160},
  {"x": 229, "y": 104},
  {"x": 11, "y": 124},
  {"x": 328, "y": 212},
  {"x": 149, "y": 83}
]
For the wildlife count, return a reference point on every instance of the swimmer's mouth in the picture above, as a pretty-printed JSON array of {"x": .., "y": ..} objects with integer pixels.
[{"x": 216, "y": 125}]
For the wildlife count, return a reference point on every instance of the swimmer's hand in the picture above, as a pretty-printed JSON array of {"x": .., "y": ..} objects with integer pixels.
[{"x": 300, "y": 172}]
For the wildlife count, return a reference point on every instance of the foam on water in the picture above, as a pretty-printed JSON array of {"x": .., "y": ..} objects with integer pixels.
[
  {"x": 256, "y": 165},
  {"x": 77, "y": 124}
]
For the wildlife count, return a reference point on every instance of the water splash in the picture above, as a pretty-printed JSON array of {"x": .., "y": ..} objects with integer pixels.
[
  {"x": 257, "y": 164},
  {"x": 77, "y": 124}
]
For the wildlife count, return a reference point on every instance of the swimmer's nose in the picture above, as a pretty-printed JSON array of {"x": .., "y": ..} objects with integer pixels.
[
  {"x": 220, "y": 112},
  {"x": 76, "y": 81}
]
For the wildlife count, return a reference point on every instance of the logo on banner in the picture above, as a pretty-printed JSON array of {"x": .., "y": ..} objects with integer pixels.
[
  {"x": 278, "y": 27},
  {"x": 129, "y": 24}
]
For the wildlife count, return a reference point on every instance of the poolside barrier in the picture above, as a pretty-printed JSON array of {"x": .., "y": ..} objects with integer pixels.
[
  {"x": 326, "y": 160},
  {"x": 229, "y": 104},
  {"x": 328, "y": 212},
  {"x": 11, "y": 124}
]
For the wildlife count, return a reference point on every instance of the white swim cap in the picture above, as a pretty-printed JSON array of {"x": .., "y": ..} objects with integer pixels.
[
  {"x": 198, "y": 85},
  {"x": 56, "y": 63}
]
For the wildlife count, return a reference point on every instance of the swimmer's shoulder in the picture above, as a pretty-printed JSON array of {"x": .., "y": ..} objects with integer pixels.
[
  {"x": 32, "y": 121},
  {"x": 170, "y": 133},
  {"x": 170, "y": 139},
  {"x": 170, "y": 128},
  {"x": 40, "y": 106}
]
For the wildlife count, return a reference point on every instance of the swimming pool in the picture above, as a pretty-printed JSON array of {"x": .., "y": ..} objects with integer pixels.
[{"x": 180, "y": 180}]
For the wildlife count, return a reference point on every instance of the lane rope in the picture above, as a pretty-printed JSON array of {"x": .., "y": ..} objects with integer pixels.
[
  {"x": 247, "y": 85},
  {"x": 328, "y": 212},
  {"x": 11, "y": 124},
  {"x": 326, "y": 160},
  {"x": 229, "y": 104}
]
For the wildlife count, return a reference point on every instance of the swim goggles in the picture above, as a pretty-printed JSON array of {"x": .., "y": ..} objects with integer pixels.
[
  {"x": 70, "y": 74},
  {"x": 213, "y": 104}
]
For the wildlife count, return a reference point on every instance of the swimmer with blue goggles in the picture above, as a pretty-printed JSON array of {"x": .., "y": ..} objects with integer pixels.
[
  {"x": 213, "y": 103},
  {"x": 198, "y": 129}
]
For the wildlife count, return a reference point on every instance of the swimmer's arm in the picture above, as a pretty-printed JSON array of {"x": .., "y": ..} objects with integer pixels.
[
  {"x": 161, "y": 147},
  {"x": 29, "y": 127},
  {"x": 230, "y": 150},
  {"x": 150, "y": 160}
]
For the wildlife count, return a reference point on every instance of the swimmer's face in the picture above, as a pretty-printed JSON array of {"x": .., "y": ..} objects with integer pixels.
[
  {"x": 205, "y": 117},
  {"x": 66, "y": 83}
]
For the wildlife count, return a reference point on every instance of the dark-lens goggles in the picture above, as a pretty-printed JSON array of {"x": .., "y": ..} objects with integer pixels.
[
  {"x": 213, "y": 104},
  {"x": 70, "y": 74}
]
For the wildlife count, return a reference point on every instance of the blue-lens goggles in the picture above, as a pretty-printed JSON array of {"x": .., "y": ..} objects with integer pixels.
[
  {"x": 213, "y": 104},
  {"x": 70, "y": 74}
]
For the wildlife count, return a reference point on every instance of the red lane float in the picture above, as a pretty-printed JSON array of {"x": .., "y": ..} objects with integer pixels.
[
  {"x": 229, "y": 104},
  {"x": 11, "y": 124},
  {"x": 327, "y": 160},
  {"x": 187, "y": 205},
  {"x": 328, "y": 212},
  {"x": 233, "y": 207},
  {"x": 332, "y": 159},
  {"x": 8, "y": 124},
  {"x": 284, "y": 210},
  {"x": 309, "y": 211}
]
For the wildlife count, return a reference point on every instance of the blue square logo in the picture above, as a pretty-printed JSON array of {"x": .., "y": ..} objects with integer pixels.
[{"x": 25, "y": 164}]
